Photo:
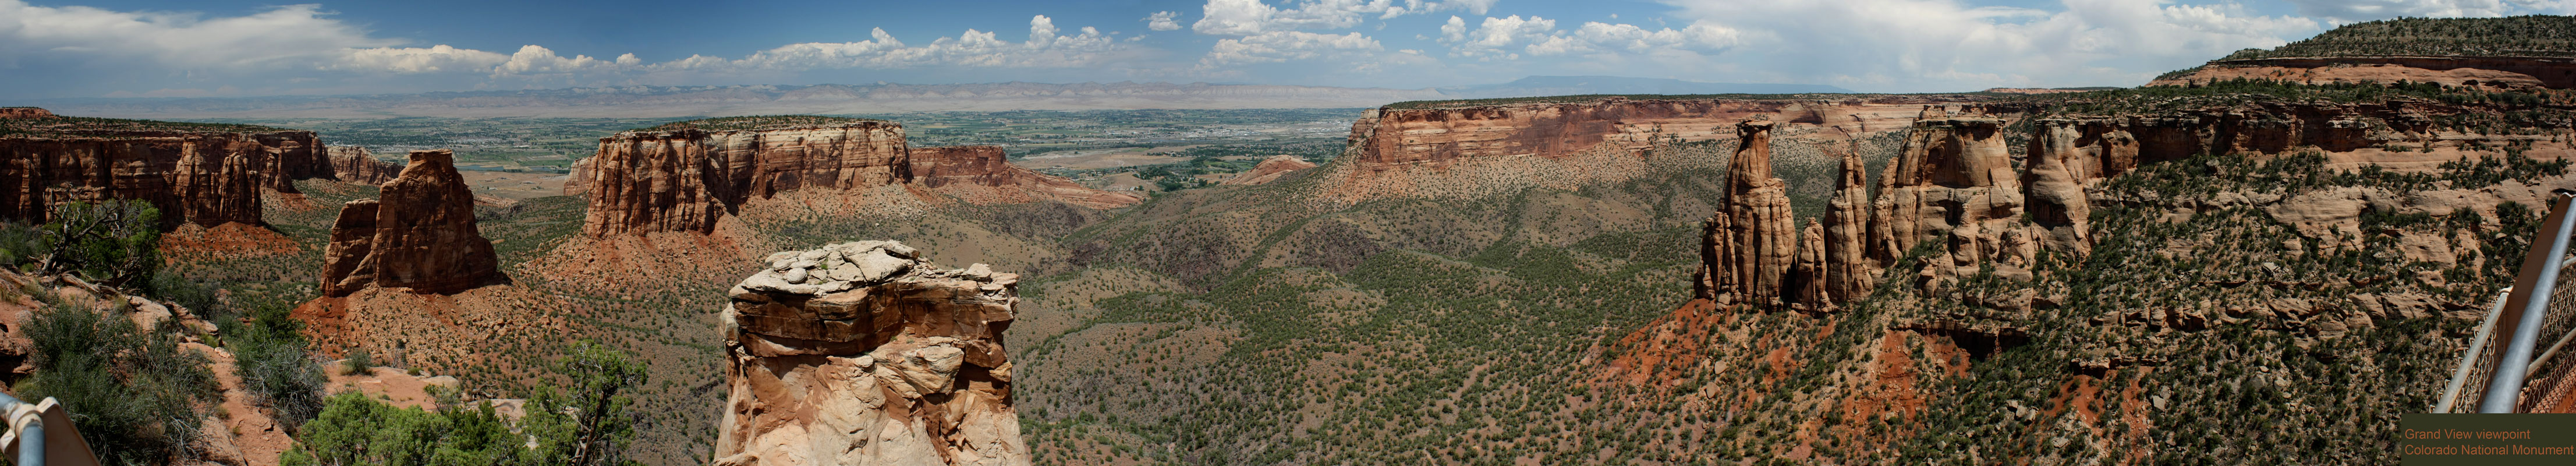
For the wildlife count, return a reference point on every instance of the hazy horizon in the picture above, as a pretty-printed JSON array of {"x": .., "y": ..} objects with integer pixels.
[{"x": 161, "y": 48}]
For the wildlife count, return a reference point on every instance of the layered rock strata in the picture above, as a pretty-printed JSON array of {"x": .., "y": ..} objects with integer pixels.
[
  {"x": 1392, "y": 136},
  {"x": 357, "y": 165},
  {"x": 1270, "y": 169},
  {"x": 420, "y": 234},
  {"x": 1754, "y": 258},
  {"x": 986, "y": 175},
  {"x": 686, "y": 179},
  {"x": 861, "y": 353},
  {"x": 208, "y": 178},
  {"x": 24, "y": 112}
]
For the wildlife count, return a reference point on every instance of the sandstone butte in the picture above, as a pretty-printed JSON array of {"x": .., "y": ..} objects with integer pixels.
[
  {"x": 420, "y": 234},
  {"x": 1270, "y": 169},
  {"x": 357, "y": 165},
  {"x": 686, "y": 178},
  {"x": 208, "y": 175},
  {"x": 861, "y": 353}
]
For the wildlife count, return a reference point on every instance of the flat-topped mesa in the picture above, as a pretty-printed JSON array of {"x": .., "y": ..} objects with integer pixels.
[
  {"x": 25, "y": 112},
  {"x": 685, "y": 176},
  {"x": 357, "y": 165},
  {"x": 983, "y": 174},
  {"x": 420, "y": 234},
  {"x": 861, "y": 353},
  {"x": 2512, "y": 52},
  {"x": 207, "y": 174}
]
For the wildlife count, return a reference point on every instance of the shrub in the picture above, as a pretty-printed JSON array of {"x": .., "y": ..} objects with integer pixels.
[
  {"x": 269, "y": 355},
  {"x": 134, "y": 395},
  {"x": 360, "y": 362},
  {"x": 113, "y": 242}
]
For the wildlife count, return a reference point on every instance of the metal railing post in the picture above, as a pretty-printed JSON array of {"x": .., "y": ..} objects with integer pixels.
[
  {"x": 31, "y": 439},
  {"x": 2530, "y": 304}
]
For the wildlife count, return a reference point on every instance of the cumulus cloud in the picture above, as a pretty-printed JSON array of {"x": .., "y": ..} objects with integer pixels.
[
  {"x": 1045, "y": 48},
  {"x": 1943, "y": 45},
  {"x": 441, "y": 58},
  {"x": 1163, "y": 21},
  {"x": 2347, "y": 11},
  {"x": 298, "y": 34},
  {"x": 1249, "y": 17},
  {"x": 1286, "y": 45}
]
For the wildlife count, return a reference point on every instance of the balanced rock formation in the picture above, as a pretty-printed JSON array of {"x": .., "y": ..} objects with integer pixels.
[
  {"x": 984, "y": 175},
  {"x": 1270, "y": 169},
  {"x": 420, "y": 235},
  {"x": 357, "y": 165},
  {"x": 209, "y": 175},
  {"x": 685, "y": 178},
  {"x": 861, "y": 353}
]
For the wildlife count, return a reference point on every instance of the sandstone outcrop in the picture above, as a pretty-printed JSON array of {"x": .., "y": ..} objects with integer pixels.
[
  {"x": 1760, "y": 241},
  {"x": 861, "y": 353},
  {"x": 577, "y": 183},
  {"x": 357, "y": 165},
  {"x": 24, "y": 112},
  {"x": 1955, "y": 178},
  {"x": 420, "y": 234},
  {"x": 684, "y": 179},
  {"x": 984, "y": 175},
  {"x": 1270, "y": 169},
  {"x": 1848, "y": 271},
  {"x": 208, "y": 177}
]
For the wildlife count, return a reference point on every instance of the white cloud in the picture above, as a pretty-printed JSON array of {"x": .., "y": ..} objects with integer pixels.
[
  {"x": 2348, "y": 11},
  {"x": 288, "y": 34},
  {"x": 1490, "y": 39},
  {"x": 1163, "y": 21},
  {"x": 441, "y": 58},
  {"x": 1286, "y": 45},
  {"x": 1045, "y": 48},
  {"x": 1249, "y": 17},
  {"x": 1944, "y": 45}
]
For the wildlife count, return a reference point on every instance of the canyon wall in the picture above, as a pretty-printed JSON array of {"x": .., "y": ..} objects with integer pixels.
[
  {"x": 683, "y": 180},
  {"x": 984, "y": 175},
  {"x": 1436, "y": 135},
  {"x": 420, "y": 234},
  {"x": 862, "y": 353},
  {"x": 208, "y": 178}
]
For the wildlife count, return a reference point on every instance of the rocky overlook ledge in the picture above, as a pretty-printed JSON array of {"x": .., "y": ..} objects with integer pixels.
[{"x": 862, "y": 353}]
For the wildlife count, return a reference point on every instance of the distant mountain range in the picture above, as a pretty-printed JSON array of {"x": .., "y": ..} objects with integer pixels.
[
  {"x": 1577, "y": 85},
  {"x": 677, "y": 101}
]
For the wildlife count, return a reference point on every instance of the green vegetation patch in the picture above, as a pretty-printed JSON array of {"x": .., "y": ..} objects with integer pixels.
[{"x": 2519, "y": 36}]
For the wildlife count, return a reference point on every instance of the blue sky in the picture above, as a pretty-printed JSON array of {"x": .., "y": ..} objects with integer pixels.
[{"x": 121, "y": 48}]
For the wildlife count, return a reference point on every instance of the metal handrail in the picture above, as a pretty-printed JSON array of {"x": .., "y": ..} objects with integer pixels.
[
  {"x": 2469, "y": 360},
  {"x": 2530, "y": 297},
  {"x": 31, "y": 439}
]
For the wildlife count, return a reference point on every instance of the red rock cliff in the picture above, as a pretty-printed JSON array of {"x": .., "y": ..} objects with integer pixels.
[
  {"x": 982, "y": 174},
  {"x": 420, "y": 235},
  {"x": 686, "y": 179},
  {"x": 208, "y": 178},
  {"x": 24, "y": 112},
  {"x": 859, "y": 353}
]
